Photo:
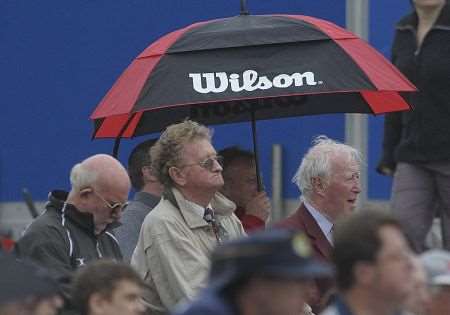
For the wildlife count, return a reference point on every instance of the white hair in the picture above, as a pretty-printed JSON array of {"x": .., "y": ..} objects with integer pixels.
[
  {"x": 81, "y": 177},
  {"x": 317, "y": 163}
]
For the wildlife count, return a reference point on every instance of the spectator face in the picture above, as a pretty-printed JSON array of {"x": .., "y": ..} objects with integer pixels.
[
  {"x": 341, "y": 192},
  {"x": 124, "y": 300},
  {"x": 199, "y": 170},
  {"x": 423, "y": 4},
  {"x": 392, "y": 270},
  {"x": 241, "y": 182},
  {"x": 440, "y": 303},
  {"x": 106, "y": 206},
  {"x": 33, "y": 306},
  {"x": 287, "y": 297},
  {"x": 418, "y": 301}
]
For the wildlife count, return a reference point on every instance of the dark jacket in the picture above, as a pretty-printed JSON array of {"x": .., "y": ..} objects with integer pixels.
[
  {"x": 63, "y": 238},
  {"x": 423, "y": 134}
]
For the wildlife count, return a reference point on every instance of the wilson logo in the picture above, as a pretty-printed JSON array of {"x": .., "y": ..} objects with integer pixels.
[{"x": 218, "y": 82}]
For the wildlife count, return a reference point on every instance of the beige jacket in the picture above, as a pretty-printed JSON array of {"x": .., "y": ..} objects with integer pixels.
[{"x": 172, "y": 253}]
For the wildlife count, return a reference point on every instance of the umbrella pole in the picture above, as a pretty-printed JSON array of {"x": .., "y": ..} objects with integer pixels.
[
  {"x": 115, "y": 151},
  {"x": 244, "y": 10},
  {"x": 255, "y": 149}
]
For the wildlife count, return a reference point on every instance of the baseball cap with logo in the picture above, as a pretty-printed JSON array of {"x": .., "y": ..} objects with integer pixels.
[
  {"x": 437, "y": 265},
  {"x": 275, "y": 253},
  {"x": 20, "y": 280}
]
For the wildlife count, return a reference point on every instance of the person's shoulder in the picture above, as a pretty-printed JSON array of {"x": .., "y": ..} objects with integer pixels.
[
  {"x": 207, "y": 304},
  {"x": 46, "y": 223},
  {"x": 406, "y": 20},
  {"x": 293, "y": 221}
]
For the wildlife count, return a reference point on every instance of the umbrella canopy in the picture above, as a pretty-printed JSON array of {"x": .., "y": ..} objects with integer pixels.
[{"x": 249, "y": 67}]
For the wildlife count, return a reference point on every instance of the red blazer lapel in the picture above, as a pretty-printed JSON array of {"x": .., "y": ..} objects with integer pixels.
[{"x": 320, "y": 243}]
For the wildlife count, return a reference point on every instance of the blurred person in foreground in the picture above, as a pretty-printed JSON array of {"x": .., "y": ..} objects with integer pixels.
[
  {"x": 328, "y": 179},
  {"x": 26, "y": 289},
  {"x": 177, "y": 237},
  {"x": 148, "y": 193},
  {"x": 105, "y": 287},
  {"x": 437, "y": 265},
  {"x": 76, "y": 227},
  {"x": 253, "y": 207},
  {"x": 418, "y": 300},
  {"x": 416, "y": 144},
  {"x": 374, "y": 265},
  {"x": 267, "y": 273}
]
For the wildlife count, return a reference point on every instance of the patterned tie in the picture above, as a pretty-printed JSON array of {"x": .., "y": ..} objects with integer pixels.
[{"x": 209, "y": 217}]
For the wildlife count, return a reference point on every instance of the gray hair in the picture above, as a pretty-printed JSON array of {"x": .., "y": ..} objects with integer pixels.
[
  {"x": 317, "y": 163},
  {"x": 81, "y": 177},
  {"x": 166, "y": 152}
]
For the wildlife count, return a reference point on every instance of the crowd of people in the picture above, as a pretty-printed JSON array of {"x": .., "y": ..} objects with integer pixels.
[{"x": 197, "y": 236}]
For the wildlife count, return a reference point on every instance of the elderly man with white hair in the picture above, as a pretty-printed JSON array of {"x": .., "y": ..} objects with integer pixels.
[
  {"x": 76, "y": 226},
  {"x": 328, "y": 179}
]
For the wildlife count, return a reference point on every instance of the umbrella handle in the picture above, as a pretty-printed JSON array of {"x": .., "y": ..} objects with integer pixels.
[
  {"x": 255, "y": 149},
  {"x": 115, "y": 151}
]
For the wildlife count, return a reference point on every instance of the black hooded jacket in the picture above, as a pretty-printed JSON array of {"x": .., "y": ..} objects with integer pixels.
[
  {"x": 422, "y": 134},
  {"x": 63, "y": 239}
]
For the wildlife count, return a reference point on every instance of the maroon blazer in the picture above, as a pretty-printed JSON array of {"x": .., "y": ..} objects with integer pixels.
[{"x": 304, "y": 221}]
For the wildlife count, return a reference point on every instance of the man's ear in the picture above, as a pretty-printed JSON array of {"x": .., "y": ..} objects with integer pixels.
[
  {"x": 364, "y": 273},
  {"x": 97, "y": 304},
  {"x": 177, "y": 175},
  {"x": 85, "y": 192},
  {"x": 319, "y": 185},
  {"x": 146, "y": 172}
]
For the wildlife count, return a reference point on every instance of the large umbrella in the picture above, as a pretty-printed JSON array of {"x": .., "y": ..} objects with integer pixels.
[{"x": 245, "y": 68}]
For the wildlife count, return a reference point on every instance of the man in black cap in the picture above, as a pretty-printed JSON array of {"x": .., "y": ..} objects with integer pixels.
[
  {"x": 267, "y": 273},
  {"x": 26, "y": 289}
]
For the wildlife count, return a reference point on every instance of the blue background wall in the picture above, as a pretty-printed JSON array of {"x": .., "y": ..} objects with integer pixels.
[{"x": 58, "y": 59}]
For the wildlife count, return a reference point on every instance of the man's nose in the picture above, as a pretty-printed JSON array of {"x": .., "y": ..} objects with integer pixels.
[
  {"x": 217, "y": 166},
  {"x": 357, "y": 187}
]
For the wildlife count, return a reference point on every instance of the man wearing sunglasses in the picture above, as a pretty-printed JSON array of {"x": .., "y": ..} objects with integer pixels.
[
  {"x": 179, "y": 234},
  {"x": 76, "y": 226}
]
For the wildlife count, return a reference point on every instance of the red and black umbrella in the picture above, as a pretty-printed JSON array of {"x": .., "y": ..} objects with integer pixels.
[{"x": 245, "y": 68}]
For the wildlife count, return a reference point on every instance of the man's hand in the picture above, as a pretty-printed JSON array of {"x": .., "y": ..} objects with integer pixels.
[{"x": 259, "y": 206}]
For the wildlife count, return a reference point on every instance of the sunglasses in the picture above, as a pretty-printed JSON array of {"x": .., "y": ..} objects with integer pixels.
[
  {"x": 114, "y": 206},
  {"x": 208, "y": 163}
]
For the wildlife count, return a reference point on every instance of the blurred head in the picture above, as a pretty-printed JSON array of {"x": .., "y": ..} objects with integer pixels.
[
  {"x": 328, "y": 177},
  {"x": 94, "y": 192},
  {"x": 108, "y": 288},
  {"x": 140, "y": 170},
  {"x": 275, "y": 263},
  {"x": 418, "y": 300},
  {"x": 27, "y": 289},
  {"x": 379, "y": 263},
  {"x": 239, "y": 174}
]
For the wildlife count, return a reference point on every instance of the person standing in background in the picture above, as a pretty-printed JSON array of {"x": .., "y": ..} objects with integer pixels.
[
  {"x": 416, "y": 144},
  {"x": 148, "y": 193},
  {"x": 253, "y": 207}
]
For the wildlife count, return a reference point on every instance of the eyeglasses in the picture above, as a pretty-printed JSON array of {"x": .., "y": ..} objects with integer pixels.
[
  {"x": 208, "y": 163},
  {"x": 114, "y": 206}
]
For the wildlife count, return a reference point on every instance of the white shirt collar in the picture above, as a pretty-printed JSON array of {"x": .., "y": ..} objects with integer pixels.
[
  {"x": 325, "y": 225},
  {"x": 197, "y": 208}
]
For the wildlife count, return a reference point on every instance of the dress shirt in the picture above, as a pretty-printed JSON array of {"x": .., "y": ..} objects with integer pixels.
[{"x": 325, "y": 225}]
